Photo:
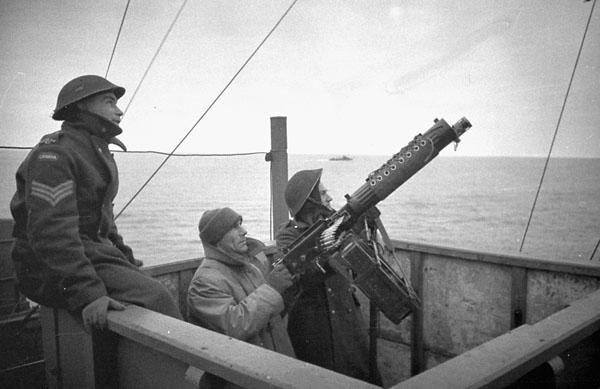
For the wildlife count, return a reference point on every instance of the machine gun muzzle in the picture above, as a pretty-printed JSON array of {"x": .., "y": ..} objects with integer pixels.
[{"x": 403, "y": 165}]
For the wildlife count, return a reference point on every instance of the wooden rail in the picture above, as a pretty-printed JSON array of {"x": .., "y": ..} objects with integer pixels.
[
  {"x": 470, "y": 298},
  {"x": 500, "y": 292},
  {"x": 185, "y": 345},
  {"x": 503, "y": 360},
  {"x": 157, "y": 351},
  {"x": 532, "y": 263}
]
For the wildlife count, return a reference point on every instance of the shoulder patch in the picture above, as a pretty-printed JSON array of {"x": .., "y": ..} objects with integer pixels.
[
  {"x": 50, "y": 138},
  {"x": 47, "y": 156},
  {"x": 52, "y": 195}
]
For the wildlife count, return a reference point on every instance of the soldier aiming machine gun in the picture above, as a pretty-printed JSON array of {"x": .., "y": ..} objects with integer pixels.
[{"x": 332, "y": 238}]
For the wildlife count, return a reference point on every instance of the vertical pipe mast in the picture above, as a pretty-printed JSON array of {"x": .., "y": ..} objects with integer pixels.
[{"x": 279, "y": 169}]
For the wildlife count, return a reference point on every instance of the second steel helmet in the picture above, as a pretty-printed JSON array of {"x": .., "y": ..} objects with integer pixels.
[
  {"x": 299, "y": 188},
  {"x": 78, "y": 89}
]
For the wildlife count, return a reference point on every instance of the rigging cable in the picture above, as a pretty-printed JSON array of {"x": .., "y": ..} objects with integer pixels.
[
  {"x": 595, "y": 249},
  {"x": 209, "y": 107},
  {"x": 117, "y": 40},
  {"x": 16, "y": 147},
  {"x": 557, "y": 125},
  {"x": 192, "y": 154},
  {"x": 159, "y": 152},
  {"x": 137, "y": 88}
]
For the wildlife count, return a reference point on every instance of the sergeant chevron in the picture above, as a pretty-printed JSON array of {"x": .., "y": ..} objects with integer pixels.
[{"x": 52, "y": 195}]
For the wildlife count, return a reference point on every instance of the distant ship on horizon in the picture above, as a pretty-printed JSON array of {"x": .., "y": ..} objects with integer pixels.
[{"x": 342, "y": 158}]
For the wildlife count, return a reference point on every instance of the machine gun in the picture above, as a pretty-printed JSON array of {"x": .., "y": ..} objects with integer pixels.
[{"x": 331, "y": 237}]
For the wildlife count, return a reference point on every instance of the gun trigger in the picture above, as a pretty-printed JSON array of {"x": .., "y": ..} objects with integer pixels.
[
  {"x": 456, "y": 144},
  {"x": 319, "y": 266}
]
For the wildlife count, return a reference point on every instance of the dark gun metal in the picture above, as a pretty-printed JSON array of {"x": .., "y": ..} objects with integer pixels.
[
  {"x": 322, "y": 238},
  {"x": 403, "y": 165}
]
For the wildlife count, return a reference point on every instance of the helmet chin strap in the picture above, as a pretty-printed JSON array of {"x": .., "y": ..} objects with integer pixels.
[
  {"x": 319, "y": 204},
  {"x": 319, "y": 211}
]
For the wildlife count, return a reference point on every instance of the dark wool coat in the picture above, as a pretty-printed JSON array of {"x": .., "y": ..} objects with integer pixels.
[
  {"x": 67, "y": 249},
  {"x": 325, "y": 323}
]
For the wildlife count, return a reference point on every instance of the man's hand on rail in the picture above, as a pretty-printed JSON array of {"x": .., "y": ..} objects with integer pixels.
[{"x": 94, "y": 314}]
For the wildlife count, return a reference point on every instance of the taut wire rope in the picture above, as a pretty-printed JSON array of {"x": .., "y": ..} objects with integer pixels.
[
  {"x": 208, "y": 108},
  {"x": 117, "y": 39},
  {"x": 557, "y": 125},
  {"x": 137, "y": 88},
  {"x": 192, "y": 154},
  {"x": 160, "y": 152},
  {"x": 595, "y": 249}
]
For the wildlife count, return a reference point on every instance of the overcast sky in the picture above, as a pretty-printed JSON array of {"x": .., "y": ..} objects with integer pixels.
[{"x": 353, "y": 77}]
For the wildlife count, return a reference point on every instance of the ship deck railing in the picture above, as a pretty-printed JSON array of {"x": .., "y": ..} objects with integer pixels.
[{"x": 467, "y": 334}]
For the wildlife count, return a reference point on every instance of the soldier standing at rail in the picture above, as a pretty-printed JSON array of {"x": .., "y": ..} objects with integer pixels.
[
  {"x": 325, "y": 323},
  {"x": 67, "y": 251}
]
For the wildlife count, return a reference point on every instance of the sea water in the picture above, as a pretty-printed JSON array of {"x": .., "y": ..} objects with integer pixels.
[{"x": 474, "y": 203}]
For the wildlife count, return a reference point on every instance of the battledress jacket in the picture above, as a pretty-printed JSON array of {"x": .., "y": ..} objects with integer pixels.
[
  {"x": 67, "y": 249},
  {"x": 228, "y": 294},
  {"x": 325, "y": 324}
]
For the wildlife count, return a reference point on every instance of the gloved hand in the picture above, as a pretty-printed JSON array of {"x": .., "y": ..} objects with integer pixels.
[
  {"x": 94, "y": 314},
  {"x": 279, "y": 278},
  {"x": 372, "y": 214}
]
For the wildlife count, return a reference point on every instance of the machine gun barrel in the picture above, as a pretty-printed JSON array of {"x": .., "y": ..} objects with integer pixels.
[
  {"x": 403, "y": 165},
  {"x": 304, "y": 252}
]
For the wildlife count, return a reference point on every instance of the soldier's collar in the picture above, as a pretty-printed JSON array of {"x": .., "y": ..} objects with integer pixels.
[
  {"x": 96, "y": 125},
  {"x": 228, "y": 257},
  {"x": 115, "y": 141}
]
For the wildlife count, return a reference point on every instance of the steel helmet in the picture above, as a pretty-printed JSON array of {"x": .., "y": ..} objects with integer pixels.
[
  {"x": 299, "y": 188},
  {"x": 78, "y": 89}
]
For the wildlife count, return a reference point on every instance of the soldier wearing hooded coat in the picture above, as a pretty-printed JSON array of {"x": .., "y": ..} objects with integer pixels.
[
  {"x": 235, "y": 291},
  {"x": 325, "y": 322},
  {"x": 67, "y": 250},
  {"x": 232, "y": 292}
]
